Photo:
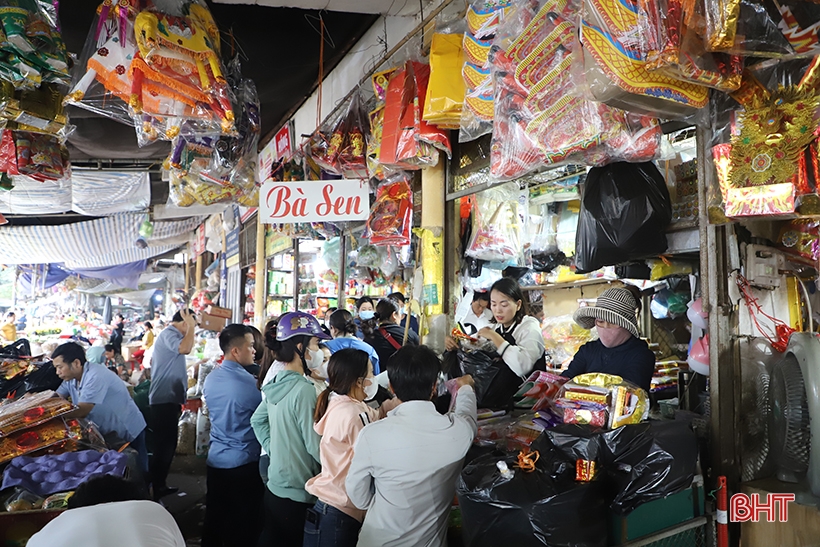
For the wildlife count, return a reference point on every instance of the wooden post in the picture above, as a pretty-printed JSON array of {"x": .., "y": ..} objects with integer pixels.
[{"x": 261, "y": 275}]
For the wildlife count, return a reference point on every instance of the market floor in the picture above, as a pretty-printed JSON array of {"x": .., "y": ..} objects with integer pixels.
[{"x": 188, "y": 505}]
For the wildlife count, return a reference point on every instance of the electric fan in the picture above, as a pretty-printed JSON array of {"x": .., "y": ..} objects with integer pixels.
[{"x": 794, "y": 418}]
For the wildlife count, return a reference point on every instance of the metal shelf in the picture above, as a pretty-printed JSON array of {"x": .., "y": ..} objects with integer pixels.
[{"x": 569, "y": 285}]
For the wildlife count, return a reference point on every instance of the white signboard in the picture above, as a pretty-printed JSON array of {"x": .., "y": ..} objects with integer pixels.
[{"x": 314, "y": 201}]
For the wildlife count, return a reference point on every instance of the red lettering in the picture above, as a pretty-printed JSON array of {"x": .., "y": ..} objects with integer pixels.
[
  {"x": 300, "y": 205},
  {"x": 740, "y": 509},
  {"x": 323, "y": 209},
  {"x": 783, "y": 500},
  {"x": 355, "y": 204},
  {"x": 759, "y": 507},
  {"x": 281, "y": 195}
]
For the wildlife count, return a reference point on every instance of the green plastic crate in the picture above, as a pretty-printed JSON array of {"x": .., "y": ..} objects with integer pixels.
[{"x": 657, "y": 515}]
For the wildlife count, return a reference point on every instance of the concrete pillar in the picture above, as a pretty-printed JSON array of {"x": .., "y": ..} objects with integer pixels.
[
  {"x": 261, "y": 275},
  {"x": 432, "y": 254}
]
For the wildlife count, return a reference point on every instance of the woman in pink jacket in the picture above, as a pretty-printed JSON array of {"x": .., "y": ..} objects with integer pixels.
[{"x": 340, "y": 414}]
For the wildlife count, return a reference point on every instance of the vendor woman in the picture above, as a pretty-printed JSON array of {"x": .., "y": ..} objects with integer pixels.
[
  {"x": 518, "y": 341},
  {"x": 619, "y": 349}
]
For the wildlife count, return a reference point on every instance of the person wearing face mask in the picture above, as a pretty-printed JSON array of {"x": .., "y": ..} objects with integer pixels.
[
  {"x": 400, "y": 299},
  {"x": 384, "y": 333},
  {"x": 619, "y": 349},
  {"x": 340, "y": 415},
  {"x": 343, "y": 331},
  {"x": 318, "y": 368},
  {"x": 283, "y": 424},
  {"x": 518, "y": 340},
  {"x": 365, "y": 310}
]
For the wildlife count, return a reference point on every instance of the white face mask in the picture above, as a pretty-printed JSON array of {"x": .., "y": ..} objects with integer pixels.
[
  {"x": 316, "y": 362},
  {"x": 371, "y": 387}
]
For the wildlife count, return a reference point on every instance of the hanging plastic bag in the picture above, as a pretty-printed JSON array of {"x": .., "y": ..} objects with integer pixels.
[
  {"x": 617, "y": 74},
  {"x": 497, "y": 229},
  {"x": 624, "y": 213},
  {"x": 391, "y": 216},
  {"x": 479, "y": 365},
  {"x": 477, "y": 113}
]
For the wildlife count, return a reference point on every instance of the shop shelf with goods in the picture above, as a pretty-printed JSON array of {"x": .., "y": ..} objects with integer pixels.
[
  {"x": 280, "y": 293},
  {"x": 248, "y": 295},
  {"x": 318, "y": 281}
]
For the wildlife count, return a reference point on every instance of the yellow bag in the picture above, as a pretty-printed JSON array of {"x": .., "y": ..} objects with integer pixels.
[{"x": 445, "y": 92}]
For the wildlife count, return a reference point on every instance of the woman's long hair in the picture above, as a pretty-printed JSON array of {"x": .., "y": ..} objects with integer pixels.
[
  {"x": 510, "y": 288},
  {"x": 344, "y": 369},
  {"x": 342, "y": 321}
]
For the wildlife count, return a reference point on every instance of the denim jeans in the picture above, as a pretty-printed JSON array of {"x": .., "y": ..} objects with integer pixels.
[{"x": 326, "y": 526}]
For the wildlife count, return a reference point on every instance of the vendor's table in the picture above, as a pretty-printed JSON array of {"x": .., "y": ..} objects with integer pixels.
[{"x": 17, "y": 527}]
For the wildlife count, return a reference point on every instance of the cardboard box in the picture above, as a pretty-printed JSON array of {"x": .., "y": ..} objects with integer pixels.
[
  {"x": 219, "y": 312},
  {"x": 212, "y": 322}
]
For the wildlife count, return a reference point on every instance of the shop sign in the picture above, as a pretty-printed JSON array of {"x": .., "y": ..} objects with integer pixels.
[
  {"x": 275, "y": 243},
  {"x": 314, "y": 201},
  {"x": 265, "y": 161},
  {"x": 284, "y": 149},
  {"x": 199, "y": 240},
  {"x": 232, "y": 240}
]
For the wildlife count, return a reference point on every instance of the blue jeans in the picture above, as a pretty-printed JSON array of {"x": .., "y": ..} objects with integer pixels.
[{"x": 326, "y": 526}]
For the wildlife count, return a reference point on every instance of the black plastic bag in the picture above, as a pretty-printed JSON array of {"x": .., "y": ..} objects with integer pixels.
[
  {"x": 544, "y": 507},
  {"x": 625, "y": 210},
  {"x": 42, "y": 378},
  {"x": 546, "y": 262},
  {"x": 649, "y": 461},
  {"x": 572, "y": 442},
  {"x": 479, "y": 365},
  {"x": 20, "y": 348}
]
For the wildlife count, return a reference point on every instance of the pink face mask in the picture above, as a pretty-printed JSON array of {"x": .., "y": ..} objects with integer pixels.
[{"x": 613, "y": 337}]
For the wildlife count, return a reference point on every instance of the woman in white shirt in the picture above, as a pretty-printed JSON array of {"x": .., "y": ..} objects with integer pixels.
[
  {"x": 478, "y": 316},
  {"x": 518, "y": 340}
]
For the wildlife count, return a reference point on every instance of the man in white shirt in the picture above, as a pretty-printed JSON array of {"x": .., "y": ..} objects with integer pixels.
[{"x": 405, "y": 467}]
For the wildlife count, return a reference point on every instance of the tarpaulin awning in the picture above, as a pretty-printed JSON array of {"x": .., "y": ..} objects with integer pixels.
[
  {"x": 96, "y": 243},
  {"x": 88, "y": 192}
]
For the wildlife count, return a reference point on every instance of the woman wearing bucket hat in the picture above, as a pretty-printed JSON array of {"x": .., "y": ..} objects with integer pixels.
[
  {"x": 619, "y": 349},
  {"x": 518, "y": 341},
  {"x": 283, "y": 424}
]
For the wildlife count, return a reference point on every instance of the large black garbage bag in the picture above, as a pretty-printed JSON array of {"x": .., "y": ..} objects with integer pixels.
[
  {"x": 648, "y": 461},
  {"x": 624, "y": 212},
  {"x": 572, "y": 442},
  {"x": 479, "y": 365},
  {"x": 20, "y": 348},
  {"x": 544, "y": 507},
  {"x": 42, "y": 378}
]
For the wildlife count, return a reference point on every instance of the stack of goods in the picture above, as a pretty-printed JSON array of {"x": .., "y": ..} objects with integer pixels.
[
  {"x": 33, "y": 69},
  {"x": 160, "y": 70},
  {"x": 686, "y": 186},
  {"x": 445, "y": 93},
  {"x": 31, "y": 411},
  {"x": 665, "y": 377},
  {"x": 540, "y": 391},
  {"x": 602, "y": 400}
]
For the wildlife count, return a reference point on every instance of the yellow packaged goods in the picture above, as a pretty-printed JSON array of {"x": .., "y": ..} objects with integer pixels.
[
  {"x": 446, "y": 89},
  {"x": 31, "y": 411},
  {"x": 622, "y": 403},
  {"x": 585, "y": 396}
]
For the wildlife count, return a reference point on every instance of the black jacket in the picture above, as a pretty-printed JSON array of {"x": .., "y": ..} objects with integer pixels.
[{"x": 384, "y": 348}]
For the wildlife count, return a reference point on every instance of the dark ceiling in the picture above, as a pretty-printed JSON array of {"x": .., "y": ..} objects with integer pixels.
[{"x": 281, "y": 47}]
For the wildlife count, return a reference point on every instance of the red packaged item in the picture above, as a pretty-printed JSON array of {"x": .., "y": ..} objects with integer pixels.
[
  {"x": 8, "y": 153},
  {"x": 583, "y": 416},
  {"x": 585, "y": 470},
  {"x": 391, "y": 216}
]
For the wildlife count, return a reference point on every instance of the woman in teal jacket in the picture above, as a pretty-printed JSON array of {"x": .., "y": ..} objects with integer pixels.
[{"x": 283, "y": 423}]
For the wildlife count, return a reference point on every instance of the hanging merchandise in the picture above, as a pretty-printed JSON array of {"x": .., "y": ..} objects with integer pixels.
[
  {"x": 483, "y": 18},
  {"x": 800, "y": 239},
  {"x": 409, "y": 142},
  {"x": 749, "y": 28},
  {"x": 32, "y": 50},
  {"x": 496, "y": 226},
  {"x": 178, "y": 61},
  {"x": 624, "y": 214},
  {"x": 36, "y": 155},
  {"x": 445, "y": 91},
  {"x": 220, "y": 168},
  {"x": 617, "y": 73},
  {"x": 341, "y": 147},
  {"x": 39, "y": 110},
  {"x": 391, "y": 216},
  {"x": 541, "y": 115}
]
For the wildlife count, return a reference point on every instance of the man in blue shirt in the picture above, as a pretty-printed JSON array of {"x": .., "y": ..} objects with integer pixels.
[
  {"x": 101, "y": 397},
  {"x": 168, "y": 392},
  {"x": 235, "y": 489}
]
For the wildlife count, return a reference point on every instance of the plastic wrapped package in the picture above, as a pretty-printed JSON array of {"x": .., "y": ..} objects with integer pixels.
[
  {"x": 104, "y": 86},
  {"x": 800, "y": 239},
  {"x": 563, "y": 337},
  {"x": 483, "y": 17},
  {"x": 617, "y": 73},
  {"x": 39, "y": 156},
  {"x": 341, "y": 147},
  {"x": 178, "y": 61},
  {"x": 497, "y": 229},
  {"x": 38, "y": 110},
  {"x": 540, "y": 391},
  {"x": 186, "y": 439},
  {"x": 33, "y": 51},
  {"x": 31, "y": 411},
  {"x": 203, "y": 432},
  {"x": 504, "y": 504},
  {"x": 675, "y": 45},
  {"x": 483, "y": 280},
  {"x": 625, "y": 210},
  {"x": 445, "y": 90},
  {"x": 391, "y": 216},
  {"x": 748, "y": 28},
  {"x": 54, "y": 432},
  {"x": 23, "y": 500},
  {"x": 602, "y": 400}
]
